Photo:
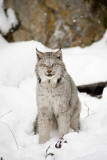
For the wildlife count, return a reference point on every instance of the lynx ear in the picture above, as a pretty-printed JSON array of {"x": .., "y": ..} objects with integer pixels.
[
  {"x": 39, "y": 54},
  {"x": 58, "y": 54}
]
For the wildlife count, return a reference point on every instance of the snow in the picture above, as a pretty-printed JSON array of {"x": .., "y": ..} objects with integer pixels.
[
  {"x": 3, "y": 42},
  {"x": 7, "y": 20},
  {"x": 18, "y": 103}
]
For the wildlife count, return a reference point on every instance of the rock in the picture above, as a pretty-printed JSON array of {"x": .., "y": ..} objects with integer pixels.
[
  {"x": 58, "y": 23},
  {"x": 32, "y": 17},
  {"x": 52, "y": 4},
  {"x": 94, "y": 89},
  {"x": 61, "y": 37}
]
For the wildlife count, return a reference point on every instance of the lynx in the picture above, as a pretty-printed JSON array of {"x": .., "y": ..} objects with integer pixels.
[{"x": 57, "y": 97}]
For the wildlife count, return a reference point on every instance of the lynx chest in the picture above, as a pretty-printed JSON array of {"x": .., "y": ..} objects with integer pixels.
[
  {"x": 50, "y": 98},
  {"x": 53, "y": 97}
]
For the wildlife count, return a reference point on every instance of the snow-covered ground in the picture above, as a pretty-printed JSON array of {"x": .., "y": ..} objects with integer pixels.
[{"x": 18, "y": 103}]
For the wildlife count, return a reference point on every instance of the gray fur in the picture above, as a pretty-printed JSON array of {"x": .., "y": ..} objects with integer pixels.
[{"x": 57, "y": 97}]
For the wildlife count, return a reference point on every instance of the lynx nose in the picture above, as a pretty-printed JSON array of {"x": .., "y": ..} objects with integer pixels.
[{"x": 49, "y": 71}]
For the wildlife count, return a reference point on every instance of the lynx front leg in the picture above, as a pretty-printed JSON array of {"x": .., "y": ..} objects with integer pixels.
[
  {"x": 63, "y": 122},
  {"x": 44, "y": 129},
  {"x": 75, "y": 118}
]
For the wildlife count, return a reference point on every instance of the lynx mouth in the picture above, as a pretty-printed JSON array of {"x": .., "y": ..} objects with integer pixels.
[{"x": 49, "y": 75}]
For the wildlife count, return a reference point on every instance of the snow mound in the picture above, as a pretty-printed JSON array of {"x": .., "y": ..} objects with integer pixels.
[{"x": 18, "y": 103}]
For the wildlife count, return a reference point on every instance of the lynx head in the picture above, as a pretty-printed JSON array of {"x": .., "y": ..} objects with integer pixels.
[{"x": 49, "y": 66}]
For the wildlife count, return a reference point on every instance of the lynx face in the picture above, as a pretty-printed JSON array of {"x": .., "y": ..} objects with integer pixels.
[{"x": 49, "y": 65}]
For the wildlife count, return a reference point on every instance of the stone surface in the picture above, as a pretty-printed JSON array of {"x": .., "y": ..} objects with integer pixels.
[{"x": 58, "y": 23}]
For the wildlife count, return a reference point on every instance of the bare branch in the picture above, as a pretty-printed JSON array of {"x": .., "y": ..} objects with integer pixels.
[
  {"x": 87, "y": 110},
  {"x": 11, "y": 133},
  {"x": 5, "y": 114}
]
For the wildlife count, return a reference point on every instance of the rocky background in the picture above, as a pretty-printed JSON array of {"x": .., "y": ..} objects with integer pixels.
[{"x": 59, "y": 23}]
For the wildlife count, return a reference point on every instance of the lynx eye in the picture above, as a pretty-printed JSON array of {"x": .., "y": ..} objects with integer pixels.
[
  {"x": 44, "y": 65},
  {"x": 53, "y": 65}
]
